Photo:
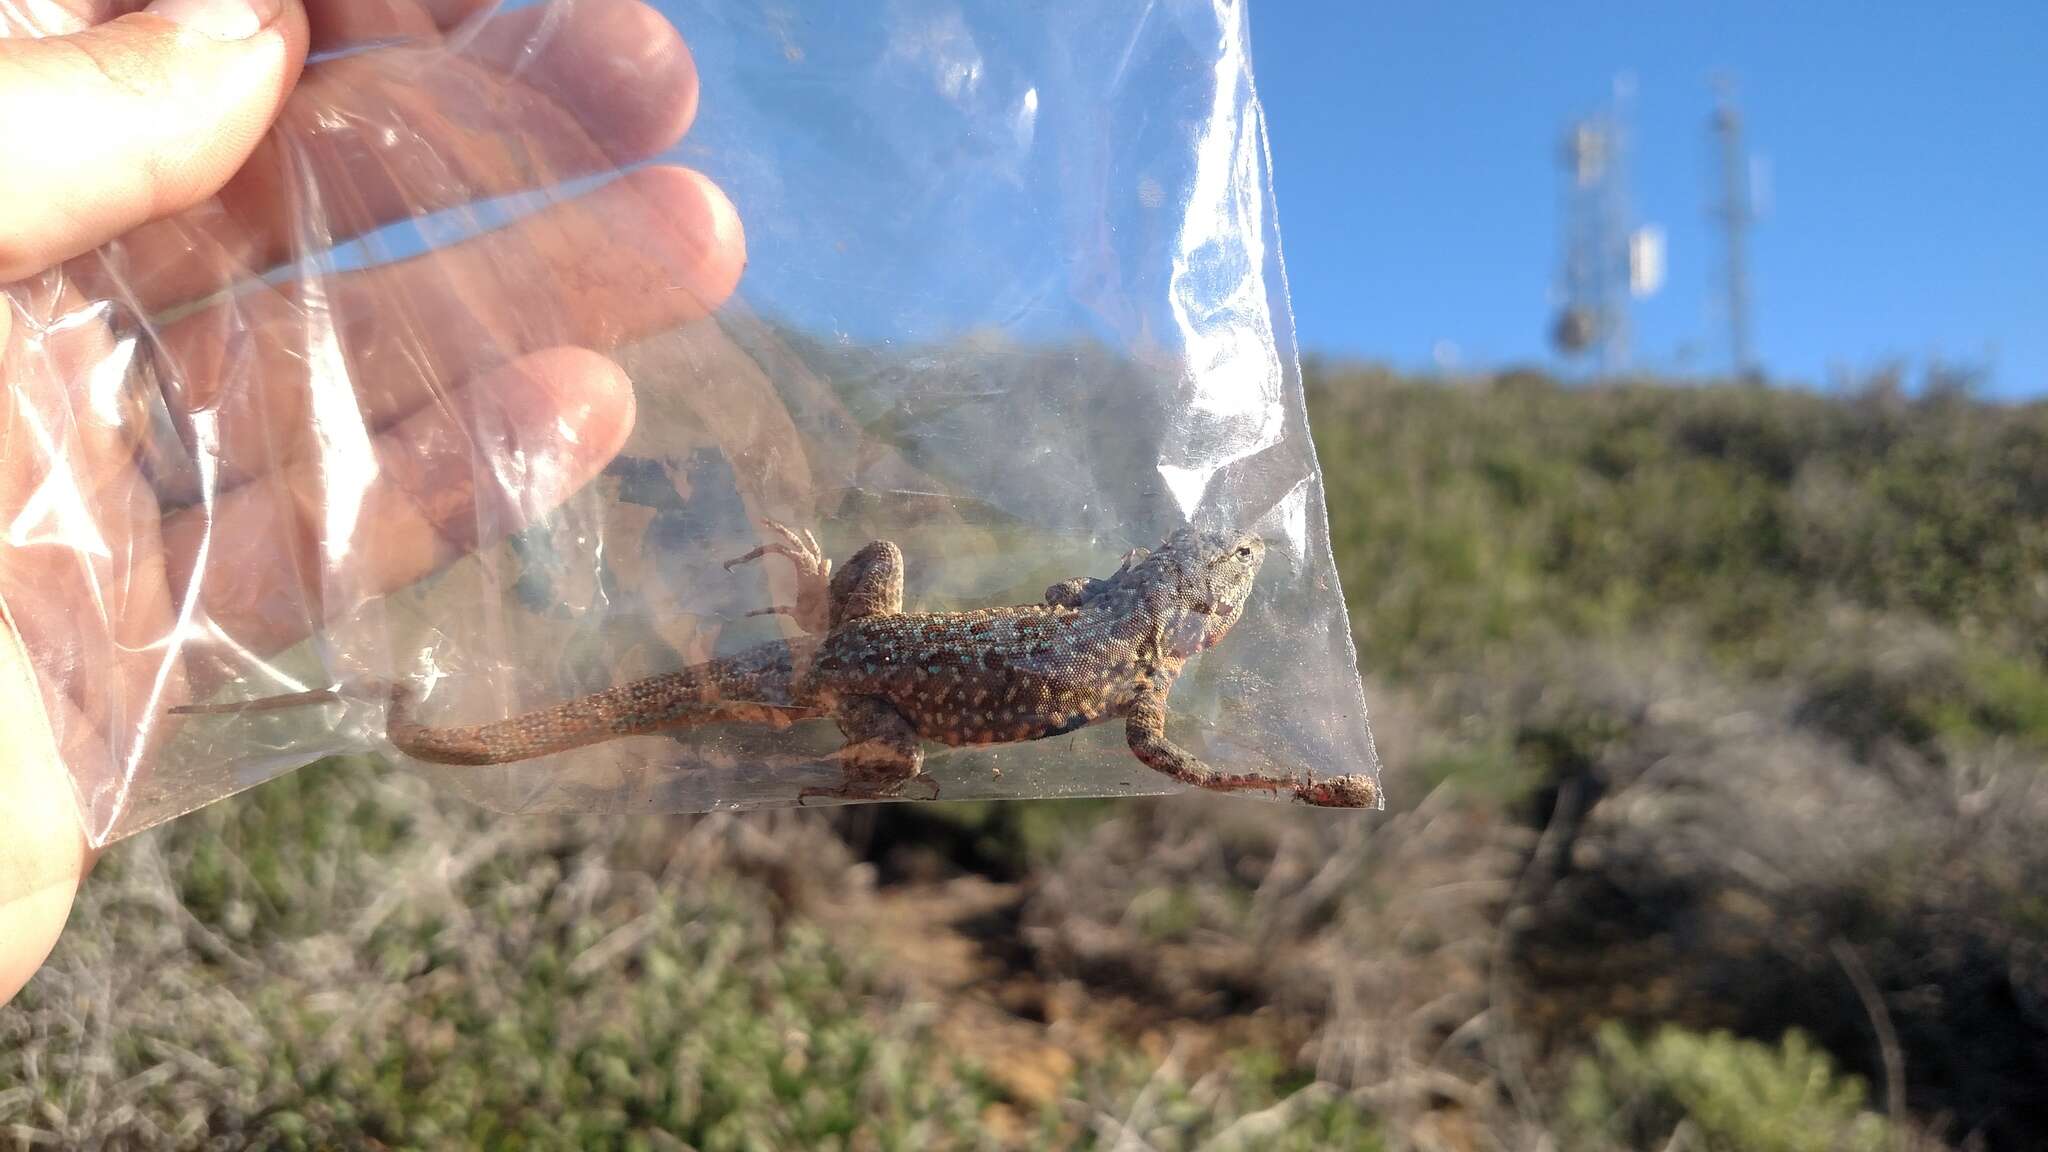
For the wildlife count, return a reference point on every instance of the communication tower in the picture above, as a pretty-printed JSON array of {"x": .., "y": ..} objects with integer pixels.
[
  {"x": 1605, "y": 260},
  {"x": 1734, "y": 212}
]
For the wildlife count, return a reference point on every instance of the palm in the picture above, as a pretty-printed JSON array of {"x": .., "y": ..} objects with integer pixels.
[{"x": 175, "y": 455}]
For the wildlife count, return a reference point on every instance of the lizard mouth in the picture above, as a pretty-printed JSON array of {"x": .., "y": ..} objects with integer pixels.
[{"x": 1221, "y": 616}]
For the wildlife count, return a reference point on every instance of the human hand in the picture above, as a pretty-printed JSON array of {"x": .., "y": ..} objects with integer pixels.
[{"x": 166, "y": 524}]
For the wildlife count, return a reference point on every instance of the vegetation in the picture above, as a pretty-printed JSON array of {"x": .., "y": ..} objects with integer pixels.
[
  {"x": 1728, "y": 1095},
  {"x": 1476, "y": 519},
  {"x": 1716, "y": 719}
]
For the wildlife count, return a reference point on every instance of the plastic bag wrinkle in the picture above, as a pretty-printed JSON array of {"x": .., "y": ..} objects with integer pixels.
[{"x": 1012, "y": 299}]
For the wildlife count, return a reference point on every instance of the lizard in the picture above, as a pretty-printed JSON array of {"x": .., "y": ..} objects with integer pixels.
[{"x": 1093, "y": 650}]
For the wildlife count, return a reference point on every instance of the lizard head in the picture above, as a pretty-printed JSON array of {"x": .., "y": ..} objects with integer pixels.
[{"x": 1213, "y": 573}]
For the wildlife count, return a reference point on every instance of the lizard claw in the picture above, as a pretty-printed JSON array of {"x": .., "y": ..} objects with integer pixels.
[
  {"x": 801, "y": 549},
  {"x": 813, "y": 611},
  {"x": 802, "y": 541}
]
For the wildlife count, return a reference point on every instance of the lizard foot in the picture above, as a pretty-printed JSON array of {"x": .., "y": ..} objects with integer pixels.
[
  {"x": 813, "y": 608},
  {"x": 870, "y": 790},
  {"x": 800, "y": 547},
  {"x": 1356, "y": 791}
]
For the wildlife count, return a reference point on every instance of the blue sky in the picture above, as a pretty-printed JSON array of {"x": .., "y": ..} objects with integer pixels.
[{"x": 1905, "y": 145}]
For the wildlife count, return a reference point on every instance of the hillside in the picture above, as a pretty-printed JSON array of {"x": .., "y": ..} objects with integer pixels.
[
  {"x": 1716, "y": 720},
  {"x": 1767, "y": 670}
]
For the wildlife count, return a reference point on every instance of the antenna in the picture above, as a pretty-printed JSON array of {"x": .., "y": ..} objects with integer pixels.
[
  {"x": 1734, "y": 213},
  {"x": 1604, "y": 260}
]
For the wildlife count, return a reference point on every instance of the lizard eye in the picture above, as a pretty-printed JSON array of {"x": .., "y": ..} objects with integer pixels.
[{"x": 1244, "y": 551}]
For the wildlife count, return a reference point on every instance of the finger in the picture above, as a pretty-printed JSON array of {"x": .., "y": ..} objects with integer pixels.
[
  {"x": 449, "y": 479},
  {"x": 134, "y": 119},
  {"x": 42, "y": 845},
  {"x": 80, "y": 569},
  {"x": 396, "y": 133},
  {"x": 652, "y": 250},
  {"x": 339, "y": 24},
  {"x": 68, "y": 406},
  {"x": 88, "y": 599}
]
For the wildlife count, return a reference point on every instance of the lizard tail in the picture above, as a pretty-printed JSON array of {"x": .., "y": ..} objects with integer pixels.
[{"x": 735, "y": 689}]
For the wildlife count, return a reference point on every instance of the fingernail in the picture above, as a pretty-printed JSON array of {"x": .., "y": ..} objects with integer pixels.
[{"x": 219, "y": 19}]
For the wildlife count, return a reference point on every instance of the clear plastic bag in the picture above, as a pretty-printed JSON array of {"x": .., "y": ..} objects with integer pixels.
[{"x": 486, "y": 403}]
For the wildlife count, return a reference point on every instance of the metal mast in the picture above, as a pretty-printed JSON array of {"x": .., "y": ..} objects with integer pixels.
[
  {"x": 1605, "y": 260},
  {"x": 1734, "y": 213}
]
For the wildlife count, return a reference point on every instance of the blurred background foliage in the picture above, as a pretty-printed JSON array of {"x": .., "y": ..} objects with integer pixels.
[{"x": 1715, "y": 717}]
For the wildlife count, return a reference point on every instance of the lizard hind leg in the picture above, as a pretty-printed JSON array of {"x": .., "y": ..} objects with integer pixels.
[{"x": 881, "y": 757}]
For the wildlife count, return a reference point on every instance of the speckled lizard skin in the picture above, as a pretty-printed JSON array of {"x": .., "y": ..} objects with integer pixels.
[{"x": 1093, "y": 650}]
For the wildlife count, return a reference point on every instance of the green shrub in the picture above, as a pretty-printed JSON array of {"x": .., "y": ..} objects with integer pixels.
[
  {"x": 1734, "y": 1095},
  {"x": 1257, "y": 1100},
  {"x": 1471, "y": 518}
]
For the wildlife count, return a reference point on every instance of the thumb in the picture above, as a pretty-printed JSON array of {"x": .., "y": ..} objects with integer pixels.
[{"x": 134, "y": 119}]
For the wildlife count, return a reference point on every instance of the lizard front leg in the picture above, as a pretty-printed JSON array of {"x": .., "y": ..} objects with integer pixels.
[
  {"x": 871, "y": 584},
  {"x": 1078, "y": 591},
  {"x": 1145, "y": 728},
  {"x": 813, "y": 608},
  {"x": 882, "y": 753}
]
